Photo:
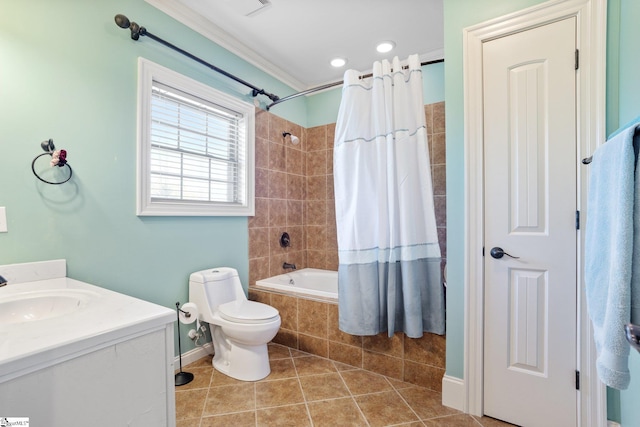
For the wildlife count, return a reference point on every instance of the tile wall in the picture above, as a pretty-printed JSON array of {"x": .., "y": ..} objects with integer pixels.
[
  {"x": 294, "y": 193},
  {"x": 312, "y": 326}
]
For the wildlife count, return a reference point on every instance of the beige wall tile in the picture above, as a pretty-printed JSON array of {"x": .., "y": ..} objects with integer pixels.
[
  {"x": 277, "y": 213},
  {"x": 317, "y": 138},
  {"x": 438, "y": 118},
  {"x": 317, "y": 187},
  {"x": 439, "y": 180},
  {"x": 286, "y": 337},
  {"x": 259, "y": 296},
  {"x": 258, "y": 269},
  {"x": 316, "y": 212},
  {"x": 313, "y": 345},
  {"x": 438, "y": 149},
  {"x": 288, "y": 308},
  {"x": 382, "y": 343},
  {"x": 262, "y": 153},
  {"x": 382, "y": 364},
  {"x": 312, "y": 318},
  {"x": 295, "y": 187},
  {"x": 316, "y": 163},
  {"x": 343, "y": 353},
  {"x": 259, "y": 246},
  {"x": 277, "y": 125},
  {"x": 300, "y": 179},
  {"x": 277, "y": 185},
  {"x": 294, "y": 160},
  {"x": 262, "y": 182},
  {"x": 262, "y": 123},
  {"x": 423, "y": 375},
  {"x": 294, "y": 212},
  {"x": 430, "y": 349},
  {"x": 277, "y": 159},
  {"x": 261, "y": 217}
]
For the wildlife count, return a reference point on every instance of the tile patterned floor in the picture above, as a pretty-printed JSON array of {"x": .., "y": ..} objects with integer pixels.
[{"x": 306, "y": 390}]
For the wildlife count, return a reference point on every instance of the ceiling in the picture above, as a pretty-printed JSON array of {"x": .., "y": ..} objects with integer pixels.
[{"x": 294, "y": 40}]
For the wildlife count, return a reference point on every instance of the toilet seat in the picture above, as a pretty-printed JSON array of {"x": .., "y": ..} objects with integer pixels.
[{"x": 247, "y": 312}]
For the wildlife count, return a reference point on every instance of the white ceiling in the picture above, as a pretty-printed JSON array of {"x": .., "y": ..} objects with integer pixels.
[{"x": 294, "y": 40}]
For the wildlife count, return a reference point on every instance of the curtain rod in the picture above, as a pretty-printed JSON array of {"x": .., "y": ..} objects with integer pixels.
[
  {"x": 137, "y": 31},
  {"x": 329, "y": 85}
]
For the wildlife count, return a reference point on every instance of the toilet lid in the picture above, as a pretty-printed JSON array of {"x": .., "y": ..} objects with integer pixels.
[{"x": 247, "y": 312}]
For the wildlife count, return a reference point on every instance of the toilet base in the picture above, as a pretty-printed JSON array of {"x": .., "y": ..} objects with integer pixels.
[{"x": 242, "y": 362}]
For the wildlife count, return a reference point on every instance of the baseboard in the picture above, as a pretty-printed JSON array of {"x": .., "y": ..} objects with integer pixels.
[
  {"x": 194, "y": 355},
  {"x": 453, "y": 392}
]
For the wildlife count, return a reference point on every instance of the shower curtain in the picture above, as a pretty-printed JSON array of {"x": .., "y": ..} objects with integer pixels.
[{"x": 389, "y": 258}]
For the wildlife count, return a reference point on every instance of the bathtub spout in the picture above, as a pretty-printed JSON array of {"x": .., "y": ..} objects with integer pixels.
[{"x": 286, "y": 265}]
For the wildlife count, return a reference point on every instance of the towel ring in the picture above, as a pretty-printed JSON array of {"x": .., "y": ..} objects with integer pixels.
[{"x": 61, "y": 161}]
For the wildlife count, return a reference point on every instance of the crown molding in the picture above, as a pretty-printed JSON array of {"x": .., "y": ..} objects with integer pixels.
[{"x": 206, "y": 28}]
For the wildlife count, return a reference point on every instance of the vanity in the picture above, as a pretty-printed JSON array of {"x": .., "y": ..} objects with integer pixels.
[{"x": 74, "y": 354}]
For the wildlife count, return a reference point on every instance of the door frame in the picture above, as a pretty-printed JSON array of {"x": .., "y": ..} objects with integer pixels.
[{"x": 590, "y": 91}]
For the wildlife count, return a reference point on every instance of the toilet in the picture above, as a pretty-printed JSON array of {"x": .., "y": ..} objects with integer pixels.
[{"x": 240, "y": 329}]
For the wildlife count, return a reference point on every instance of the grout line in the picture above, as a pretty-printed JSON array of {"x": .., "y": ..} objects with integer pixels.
[
  {"x": 407, "y": 403},
  {"x": 255, "y": 402},
  {"x": 355, "y": 402},
  {"x": 304, "y": 398}
]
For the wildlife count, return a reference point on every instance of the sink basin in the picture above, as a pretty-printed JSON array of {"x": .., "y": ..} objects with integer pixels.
[{"x": 41, "y": 305}]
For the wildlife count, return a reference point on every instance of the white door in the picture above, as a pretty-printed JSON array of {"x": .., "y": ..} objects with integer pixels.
[{"x": 530, "y": 344}]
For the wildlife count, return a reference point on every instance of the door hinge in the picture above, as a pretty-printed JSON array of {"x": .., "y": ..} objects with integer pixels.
[
  {"x": 577, "y": 59},
  {"x": 577, "y": 380},
  {"x": 577, "y": 220}
]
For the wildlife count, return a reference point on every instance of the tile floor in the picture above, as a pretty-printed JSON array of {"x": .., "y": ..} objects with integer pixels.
[{"x": 307, "y": 390}]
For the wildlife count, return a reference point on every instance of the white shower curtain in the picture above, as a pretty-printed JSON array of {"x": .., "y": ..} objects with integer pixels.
[{"x": 389, "y": 258}]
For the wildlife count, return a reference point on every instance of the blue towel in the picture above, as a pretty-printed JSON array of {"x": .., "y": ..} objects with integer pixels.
[{"x": 612, "y": 236}]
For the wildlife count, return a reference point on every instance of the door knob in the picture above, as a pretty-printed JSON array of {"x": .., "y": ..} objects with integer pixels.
[{"x": 498, "y": 253}]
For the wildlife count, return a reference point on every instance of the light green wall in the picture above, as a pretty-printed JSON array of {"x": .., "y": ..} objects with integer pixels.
[
  {"x": 458, "y": 15},
  {"x": 624, "y": 80},
  {"x": 67, "y": 72},
  {"x": 623, "y": 93}
]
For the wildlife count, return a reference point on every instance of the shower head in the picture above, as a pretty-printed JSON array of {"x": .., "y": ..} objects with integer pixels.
[{"x": 294, "y": 139}]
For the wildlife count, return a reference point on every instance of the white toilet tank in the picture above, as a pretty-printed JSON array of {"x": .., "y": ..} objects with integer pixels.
[{"x": 214, "y": 286}]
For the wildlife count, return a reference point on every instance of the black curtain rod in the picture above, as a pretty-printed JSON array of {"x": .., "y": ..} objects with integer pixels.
[
  {"x": 329, "y": 85},
  {"x": 137, "y": 31}
]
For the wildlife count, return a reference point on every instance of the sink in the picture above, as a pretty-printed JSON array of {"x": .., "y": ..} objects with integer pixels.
[{"x": 41, "y": 305}]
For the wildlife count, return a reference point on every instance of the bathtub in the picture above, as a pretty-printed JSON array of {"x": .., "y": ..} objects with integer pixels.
[
  {"x": 307, "y": 282},
  {"x": 68, "y": 347}
]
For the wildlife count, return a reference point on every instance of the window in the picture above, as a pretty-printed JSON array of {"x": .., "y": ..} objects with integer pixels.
[{"x": 195, "y": 147}]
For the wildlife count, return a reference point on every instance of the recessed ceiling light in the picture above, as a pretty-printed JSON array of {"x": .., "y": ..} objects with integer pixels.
[
  {"x": 338, "y": 62},
  {"x": 386, "y": 46}
]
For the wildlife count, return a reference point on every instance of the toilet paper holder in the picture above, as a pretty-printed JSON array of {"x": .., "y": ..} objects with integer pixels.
[{"x": 186, "y": 313}]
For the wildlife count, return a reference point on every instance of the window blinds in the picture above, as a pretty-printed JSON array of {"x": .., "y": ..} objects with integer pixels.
[{"x": 197, "y": 149}]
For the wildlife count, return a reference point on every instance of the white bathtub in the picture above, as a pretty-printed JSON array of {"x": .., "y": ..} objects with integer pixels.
[{"x": 311, "y": 282}]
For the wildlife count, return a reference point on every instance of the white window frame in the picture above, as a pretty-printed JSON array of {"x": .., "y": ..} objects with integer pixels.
[{"x": 149, "y": 72}]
